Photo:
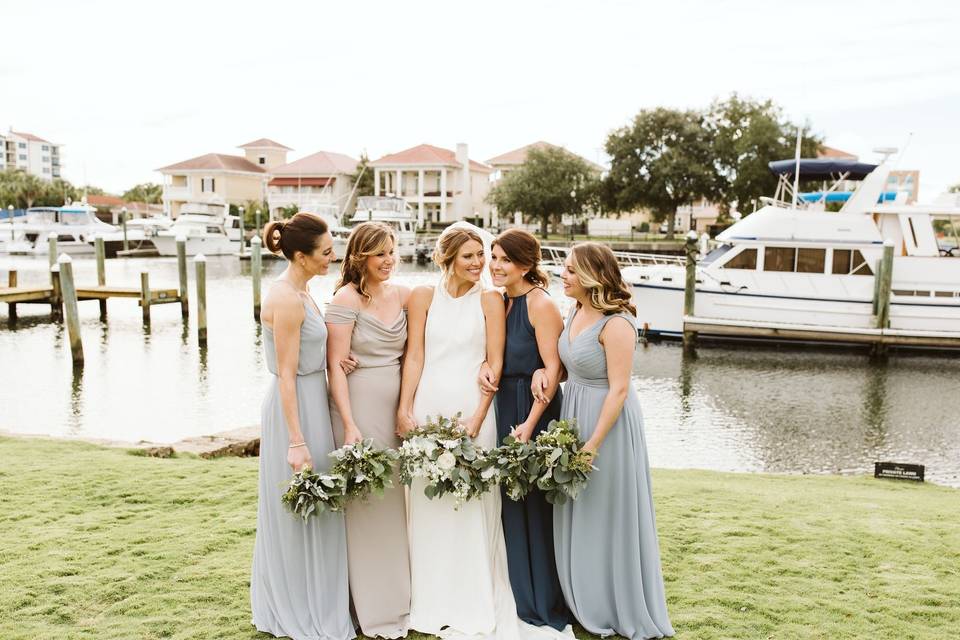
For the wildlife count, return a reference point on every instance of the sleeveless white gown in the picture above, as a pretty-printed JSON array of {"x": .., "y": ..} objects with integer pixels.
[{"x": 460, "y": 587}]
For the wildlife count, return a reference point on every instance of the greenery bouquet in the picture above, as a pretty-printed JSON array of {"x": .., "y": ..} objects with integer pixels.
[
  {"x": 519, "y": 467},
  {"x": 564, "y": 466},
  {"x": 447, "y": 460},
  {"x": 364, "y": 469},
  {"x": 311, "y": 493}
]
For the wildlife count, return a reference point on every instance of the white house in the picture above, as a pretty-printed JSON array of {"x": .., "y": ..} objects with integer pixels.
[
  {"x": 30, "y": 153},
  {"x": 319, "y": 182},
  {"x": 440, "y": 184}
]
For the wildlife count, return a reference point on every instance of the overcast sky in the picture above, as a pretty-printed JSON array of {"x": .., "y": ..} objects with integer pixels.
[{"x": 131, "y": 86}]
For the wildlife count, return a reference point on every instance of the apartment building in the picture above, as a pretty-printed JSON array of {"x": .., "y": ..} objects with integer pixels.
[{"x": 30, "y": 153}]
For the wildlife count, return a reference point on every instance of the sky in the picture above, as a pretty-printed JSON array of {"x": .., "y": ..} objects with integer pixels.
[{"x": 128, "y": 87}]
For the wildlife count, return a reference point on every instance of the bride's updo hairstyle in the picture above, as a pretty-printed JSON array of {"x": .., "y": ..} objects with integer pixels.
[
  {"x": 523, "y": 249},
  {"x": 366, "y": 239},
  {"x": 445, "y": 253},
  {"x": 300, "y": 233},
  {"x": 599, "y": 273}
]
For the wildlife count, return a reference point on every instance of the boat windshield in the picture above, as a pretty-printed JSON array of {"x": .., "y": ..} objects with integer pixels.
[
  {"x": 375, "y": 203},
  {"x": 74, "y": 217},
  {"x": 715, "y": 253},
  {"x": 41, "y": 216}
]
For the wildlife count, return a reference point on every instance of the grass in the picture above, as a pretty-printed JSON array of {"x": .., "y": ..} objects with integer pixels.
[{"x": 98, "y": 543}]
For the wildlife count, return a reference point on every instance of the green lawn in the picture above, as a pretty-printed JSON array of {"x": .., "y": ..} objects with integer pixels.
[{"x": 99, "y": 543}]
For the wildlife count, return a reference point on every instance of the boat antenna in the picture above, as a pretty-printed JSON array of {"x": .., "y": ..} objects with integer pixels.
[
  {"x": 796, "y": 169},
  {"x": 352, "y": 191}
]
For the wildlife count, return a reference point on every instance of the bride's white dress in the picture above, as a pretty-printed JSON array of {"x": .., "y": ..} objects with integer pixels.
[{"x": 458, "y": 563}]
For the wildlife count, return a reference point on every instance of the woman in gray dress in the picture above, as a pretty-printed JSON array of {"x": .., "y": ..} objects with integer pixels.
[
  {"x": 608, "y": 558},
  {"x": 298, "y": 585},
  {"x": 367, "y": 323}
]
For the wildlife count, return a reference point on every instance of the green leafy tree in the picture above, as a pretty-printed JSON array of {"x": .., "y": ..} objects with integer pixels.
[
  {"x": 148, "y": 192},
  {"x": 747, "y": 135},
  {"x": 363, "y": 178},
  {"x": 56, "y": 193},
  {"x": 549, "y": 184},
  {"x": 250, "y": 213},
  {"x": 661, "y": 161},
  {"x": 29, "y": 189},
  {"x": 955, "y": 188}
]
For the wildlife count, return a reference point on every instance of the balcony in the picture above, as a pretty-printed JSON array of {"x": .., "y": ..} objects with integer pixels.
[
  {"x": 304, "y": 201},
  {"x": 171, "y": 192}
]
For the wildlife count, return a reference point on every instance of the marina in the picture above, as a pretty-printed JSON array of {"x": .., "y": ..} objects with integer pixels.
[{"x": 763, "y": 408}]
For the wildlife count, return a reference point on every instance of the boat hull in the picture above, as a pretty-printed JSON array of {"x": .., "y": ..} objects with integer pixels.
[{"x": 214, "y": 246}]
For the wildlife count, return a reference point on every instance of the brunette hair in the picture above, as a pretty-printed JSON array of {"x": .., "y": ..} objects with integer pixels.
[
  {"x": 523, "y": 249},
  {"x": 300, "y": 233},
  {"x": 449, "y": 244},
  {"x": 599, "y": 273},
  {"x": 366, "y": 239}
]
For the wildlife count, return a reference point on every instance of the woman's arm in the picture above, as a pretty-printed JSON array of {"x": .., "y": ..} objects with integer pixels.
[
  {"x": 288, "y": 316},
  {"x": 619, "y": 339},
  {"x": 338, "y": 350},
  {"x": 547, "y": 325},
  {"x": 495, "y": 321},
  {"x": 417, "y": 306}
]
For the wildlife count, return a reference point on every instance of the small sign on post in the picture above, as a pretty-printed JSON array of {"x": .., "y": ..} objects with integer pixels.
[{"x": 898, "y": 471}]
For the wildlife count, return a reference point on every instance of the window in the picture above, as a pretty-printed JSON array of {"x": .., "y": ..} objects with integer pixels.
[
  {"x": 23, "y": 156},
  {"x": 779, "y": 258},
  {"x": 46, "y": 169},
  {"x": 746, "y": 259},
  {"x": 207, "y": 185},
  {"x": 811, "y": 260},
  {"x": 262, "y": 160},
  {"x": 850, "y": 262},
  {"x": 45, "y": 158},
  {"x": 45, "y": 148},
  {"x": 22, "y": 145}
]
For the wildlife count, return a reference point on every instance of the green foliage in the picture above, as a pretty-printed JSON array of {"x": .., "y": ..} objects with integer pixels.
[
  {"x": 365, "y": 469},
  {"x": 747, "y": 135},
  {"x": 309, "y": 493},
  {"x": 250, "y": 213},
  {"x": 148, "y": 192},
  {"x": 661, "y": 161},
  {"x": 954, "y": 189},
  {"x": 549, "y": 184},
  {"x": 363, "y": 177},
  {"x": 24, "y": 190}
]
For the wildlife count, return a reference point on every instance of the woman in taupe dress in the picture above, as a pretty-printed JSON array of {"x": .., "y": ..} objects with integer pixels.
[{"x": 367, "y": 323}]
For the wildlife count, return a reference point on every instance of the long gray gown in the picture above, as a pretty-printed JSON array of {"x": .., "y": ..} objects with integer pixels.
[
  {"x": 298, "y": 585},
  {"x": 608, "y": 557}
]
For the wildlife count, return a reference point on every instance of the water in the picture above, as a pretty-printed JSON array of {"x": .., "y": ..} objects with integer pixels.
[{"x": 730, "y": 408}]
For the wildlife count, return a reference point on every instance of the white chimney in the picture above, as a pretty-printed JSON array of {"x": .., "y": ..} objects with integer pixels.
[{"x": 466, "y": 198}]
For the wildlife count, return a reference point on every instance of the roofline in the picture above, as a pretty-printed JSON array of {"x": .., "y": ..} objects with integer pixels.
[{"x": 233, "y": 171}]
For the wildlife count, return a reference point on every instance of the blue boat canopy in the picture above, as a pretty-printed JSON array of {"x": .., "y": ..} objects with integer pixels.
[{"x": 822, "y": 168}]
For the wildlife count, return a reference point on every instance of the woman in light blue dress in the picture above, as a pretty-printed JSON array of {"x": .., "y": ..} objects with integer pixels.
[
  {"x": 298, "y": 584},
  {"x": 608, "y": 557}
]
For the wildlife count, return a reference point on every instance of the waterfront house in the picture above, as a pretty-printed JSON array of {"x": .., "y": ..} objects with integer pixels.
[
  {"x": 441, "y": 185},
  {"x": 221, "y": 178},
  {"x": 320, "y": 182},
  {"x": 30, "y": 153}
]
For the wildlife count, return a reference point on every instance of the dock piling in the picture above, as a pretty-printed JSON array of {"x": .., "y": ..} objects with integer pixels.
[
  {"x": 690, "y": 287},
  {"x": 123, "y": 224},
  {"x": 883, "y": 289},
  {"x": 101, "y": 274},
  {"x": 69, "y": 289},
  {"x": 200, "y": 261},
  {"x": 256, "y": 264},
  {"x": 56, "y": 293},
  {"x": 12, "y": 283},
  {"x": 182, "y": 270},
  {"x": 52, "y": 249},
  {"x": 145, "y": 296},
  {"x": 243, "y": 233}
]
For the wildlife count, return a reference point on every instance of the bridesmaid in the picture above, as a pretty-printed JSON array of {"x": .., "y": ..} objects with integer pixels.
[
  {"x": 367, "y": 318},
  {"x": 533, "y": 329},
  {"x": 298, "y": 585},
  {"x": 608, "y": 557}
]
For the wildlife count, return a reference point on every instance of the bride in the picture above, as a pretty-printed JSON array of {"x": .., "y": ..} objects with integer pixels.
[{"x": 459, "y": 582}]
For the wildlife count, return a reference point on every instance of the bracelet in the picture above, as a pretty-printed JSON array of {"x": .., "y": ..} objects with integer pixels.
[{"x": 299, "y": 444}]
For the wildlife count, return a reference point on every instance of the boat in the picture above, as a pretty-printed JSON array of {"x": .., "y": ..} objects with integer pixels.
[
  {"x": 208, "y": 228},
  {"x": 794, "y": 270},
  {"x": 340, "y": 234},
  {"x": 75, "y": 226},
  {"x": 394, "y": 212}
]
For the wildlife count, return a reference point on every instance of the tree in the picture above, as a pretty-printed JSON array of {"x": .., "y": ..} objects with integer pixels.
[
  {"x": 954, "y": 189},
  {"x": 250, "y": 213},
  {"x": 363, "y": 178},
  {"x": 550, "y": 183},
  {"x": 662, "y": 161},
  {"x": 747, "y": 135},
  {"x": 148, "y": 192},
  {"x": 28, "y": 189}
]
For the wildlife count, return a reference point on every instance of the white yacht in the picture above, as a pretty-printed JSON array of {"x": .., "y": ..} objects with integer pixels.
[
  {"x": 208, "y": 228},
  {"x": 75, "y": 225},
  {"x": 396, "y": 213},
  {"x": 792, "y": 270},
  {"x": 341, "y": 234},
  {"x": 139, "y": 235}
]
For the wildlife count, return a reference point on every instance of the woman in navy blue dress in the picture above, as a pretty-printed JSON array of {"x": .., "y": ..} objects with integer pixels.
[{"x": 533, "y": 328}]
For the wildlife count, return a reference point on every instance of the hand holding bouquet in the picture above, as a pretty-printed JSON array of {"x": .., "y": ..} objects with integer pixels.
[
  {"x": 519, "y": 466},
  {"x": 364, "y": 469},
  {"x": 447, "y": 460},
  {"x": 564, "y": 466},
  {"x": 309, "y": 493}
]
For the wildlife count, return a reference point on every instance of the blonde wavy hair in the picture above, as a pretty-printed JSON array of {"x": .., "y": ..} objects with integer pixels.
[
  {"x": 367, "y": 239},
  {"x": 599, "y": 273},
  {"x": 445, "y": 253}
]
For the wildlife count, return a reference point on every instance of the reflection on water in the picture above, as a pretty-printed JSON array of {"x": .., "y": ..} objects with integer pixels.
[{"x": 727, "y": 408}]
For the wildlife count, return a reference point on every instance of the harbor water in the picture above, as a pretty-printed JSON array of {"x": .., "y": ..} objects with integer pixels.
[{"x": 730, "y": 408}]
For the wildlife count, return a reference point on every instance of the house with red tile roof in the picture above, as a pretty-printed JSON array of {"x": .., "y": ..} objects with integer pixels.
[
  {"x": 321, "y": 182},
  {"x": 442, "y": 185},
  {"x": 221, "y": 178}
]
